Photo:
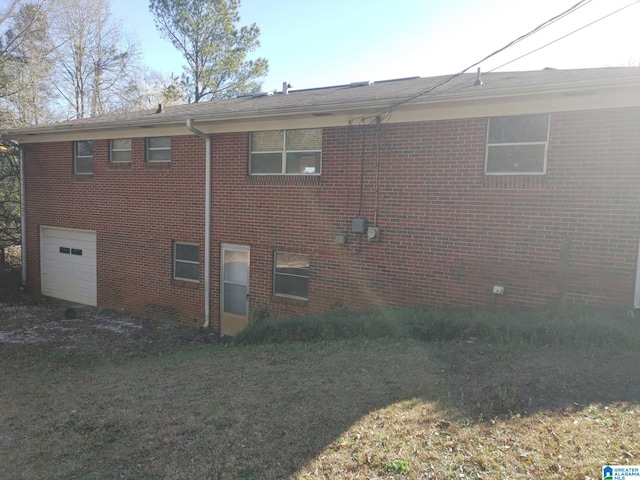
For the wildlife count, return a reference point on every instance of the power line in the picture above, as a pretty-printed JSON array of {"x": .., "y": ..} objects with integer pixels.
[
  {"x": 543, "y": 25},
  {"x": 564, "y": 36}
]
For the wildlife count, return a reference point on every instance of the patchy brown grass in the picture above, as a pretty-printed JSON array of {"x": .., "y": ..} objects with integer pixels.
[{"x": 105, "y": 396}]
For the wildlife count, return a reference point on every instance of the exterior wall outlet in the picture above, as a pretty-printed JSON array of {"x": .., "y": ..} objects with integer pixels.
[{"x": 498, "y": 289}]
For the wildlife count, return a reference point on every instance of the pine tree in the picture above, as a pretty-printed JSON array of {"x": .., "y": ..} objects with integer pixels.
[{"x": 215, "y": 49}]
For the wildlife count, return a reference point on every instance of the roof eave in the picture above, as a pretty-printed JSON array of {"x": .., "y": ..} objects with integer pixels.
[{"x": 336, "y": 113}]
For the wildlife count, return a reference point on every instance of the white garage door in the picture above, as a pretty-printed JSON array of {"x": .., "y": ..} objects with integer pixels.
[{"x": 68, "y": 268}]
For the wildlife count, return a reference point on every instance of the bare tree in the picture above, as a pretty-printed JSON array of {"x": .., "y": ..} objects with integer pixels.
[
  {"x": 28, "y": 56},
  {"x": 94, "y": 62},
  {"x": 23, "y": 71},
  {"x": 9, "y": 199},
  {"x": 24, "y": 68},
  {"x": 152, "y": 88}
]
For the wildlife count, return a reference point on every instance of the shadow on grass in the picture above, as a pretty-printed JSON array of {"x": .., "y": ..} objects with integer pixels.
[
  {"x": 221, "y": 412},
  {"x": 266, "y": 411},
  {"x": 486, "y": 381}
]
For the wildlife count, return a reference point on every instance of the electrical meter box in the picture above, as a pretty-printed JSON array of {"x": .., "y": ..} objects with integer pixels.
[{"x": 359, "y": 225}]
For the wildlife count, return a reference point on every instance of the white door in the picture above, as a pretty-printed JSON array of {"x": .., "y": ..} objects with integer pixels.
[
  {"x": 234, "y": 285},
  {"x": 68, "y": 264}
]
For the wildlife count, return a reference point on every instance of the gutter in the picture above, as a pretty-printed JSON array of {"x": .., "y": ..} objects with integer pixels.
[
  {"x": 207, "y": 223},
  {"x": 273, "y": 107},
  {"x": 23, "y": 222}
]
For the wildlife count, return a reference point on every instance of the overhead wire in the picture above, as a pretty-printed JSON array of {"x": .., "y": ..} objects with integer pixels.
[
  {"x": 384, "y": 117},
  {"x": 543, "y": 25},
  {"x": 547, "y": 44},
  {"x": 565, "y": 36}
]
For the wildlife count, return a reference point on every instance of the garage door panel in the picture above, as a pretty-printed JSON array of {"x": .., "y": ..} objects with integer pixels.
[
  {"x": 85, "y": 297},
  {"x": 84, "y": 251},
  {"x": 68, "y": 264},
  {"x": 62, "y": 274},
  {"x": 63, "y": 237},
  {"x": 54, "y": 249},
  {"x": 71, "y": 285},
  {"x": 67, "y": 284},
  {"x": 77, "y": 235}
]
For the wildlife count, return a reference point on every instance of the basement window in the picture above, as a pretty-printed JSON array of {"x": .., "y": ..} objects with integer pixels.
[
  {"x": 83, "y": 157},
  {"x": 159, "y": 149},
  {"x": 186, "y": 261},
  {"x": 286, "y": 152},
  {"x": 120, "y": 150},
  {"x": 291, "y": 275},
  {"x": 517, "y": 145}
]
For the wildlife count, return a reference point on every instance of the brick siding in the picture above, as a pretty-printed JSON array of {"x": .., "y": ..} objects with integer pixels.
[
  {"x": 449, "y": 232},
  {"x": 137, "y": 210}
]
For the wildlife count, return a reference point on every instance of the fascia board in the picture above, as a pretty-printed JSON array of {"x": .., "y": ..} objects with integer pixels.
[{"x": 444, "y": 105}]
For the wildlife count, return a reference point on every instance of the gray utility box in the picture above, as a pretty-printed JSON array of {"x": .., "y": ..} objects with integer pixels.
[{"x": 359, "y": 225}]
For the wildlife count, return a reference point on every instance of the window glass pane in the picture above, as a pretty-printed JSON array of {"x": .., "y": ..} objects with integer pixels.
[
  {"x": 159, "y": 156},
  {"x": 291, "y": 274},
  {"x": 520, "y": 129},
  {"x": 267, "y": 141},
  {"x": 516, "y": 158},
  {"x": 121, "y": 144},
  {"x": 235, "y": 299},
  {"x": 293, "y": 286},
  {"x": 187, "y": 252},
  {"x": 121, "y": 156},
  {"x": 302, "y": 152},
  {"x": 236, "y": 266},
  {"x": 266, "y": 163},
  {"x": 303, "y": 163},
  {"x": 84, "y": 165},
  {"x": 159, "y": 142},
  {"x": 310, "y": 139},
  {"x": 292, "y": 260},
  {"x": 189, "y": 271},
  {"x": 84, "y": 148}
]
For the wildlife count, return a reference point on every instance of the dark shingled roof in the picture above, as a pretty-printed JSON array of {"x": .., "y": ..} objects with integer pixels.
[{"x": 382, "y": 94}]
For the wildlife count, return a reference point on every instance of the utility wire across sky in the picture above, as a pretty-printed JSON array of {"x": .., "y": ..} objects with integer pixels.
[{"x": 540, "y": 27}]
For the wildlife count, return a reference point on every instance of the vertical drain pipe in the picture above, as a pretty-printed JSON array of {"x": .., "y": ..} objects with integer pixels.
[
  {"x": 207, "y": 223},
  {"x": 23, "y": 222}
]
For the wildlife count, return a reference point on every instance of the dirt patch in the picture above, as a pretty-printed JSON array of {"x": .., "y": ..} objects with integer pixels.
[{"x": 43, "y": 325}]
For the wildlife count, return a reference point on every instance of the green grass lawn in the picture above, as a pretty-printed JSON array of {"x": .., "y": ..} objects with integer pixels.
[{"x": 357, "y": 408}]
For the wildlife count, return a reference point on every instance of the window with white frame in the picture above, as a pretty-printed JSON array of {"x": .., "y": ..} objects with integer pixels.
[
  {"x": 286, "y": 152},
  {"x": 517, "y": 145},
  {"x": 159, "y": 149},
  {"x": 291, "y": 275},
  {"x": 186, "y": 261},
  {"x": 120, "y": 150},
  {"x": 83, "y": 157}
]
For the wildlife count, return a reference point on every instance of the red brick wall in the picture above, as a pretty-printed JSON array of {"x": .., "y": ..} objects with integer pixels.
[
  {"x": 449, "y": 233},
  {"x": 137, "y": 210}
]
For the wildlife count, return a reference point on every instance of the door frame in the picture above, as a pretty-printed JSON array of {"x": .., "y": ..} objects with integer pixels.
[{"x": 230, "y": 323}]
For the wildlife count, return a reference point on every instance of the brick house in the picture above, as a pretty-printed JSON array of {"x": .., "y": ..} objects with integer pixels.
[{"x": 435, "y": 191}]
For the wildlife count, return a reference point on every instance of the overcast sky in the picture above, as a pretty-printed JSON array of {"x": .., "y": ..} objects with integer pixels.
[{"x": 319, "y": 43}]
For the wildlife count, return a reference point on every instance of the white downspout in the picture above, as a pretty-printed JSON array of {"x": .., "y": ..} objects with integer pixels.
[
  {"x": 207, "y": 223},
  {"x": 636, "y": 298},
  {"x": 23, "y": 222}
]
